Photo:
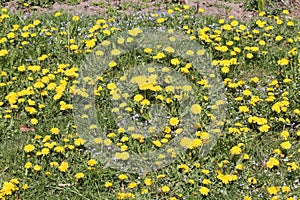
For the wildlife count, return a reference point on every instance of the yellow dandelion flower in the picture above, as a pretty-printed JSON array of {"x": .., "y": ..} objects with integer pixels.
[
  {"x": 79, "y": 175},
  {"x": 174, "y": 121},
  {"x": 63, "y": 167},
  {"x": 196, "y": 109},
  {"x": 272, "y": 162},
  {"x": 161, "y": 20},
  {"x": 75, "y": 18},
  {"x": 79, "y": 141},
  {"x": 123, "y": 176},
  {"x": 235, "y": 150},
  {"x": 286, "y": 145},
  {"x": 204, "y": 191},
  {"x": 55, "y": 131},
  {"x": 165, "y": 189}
]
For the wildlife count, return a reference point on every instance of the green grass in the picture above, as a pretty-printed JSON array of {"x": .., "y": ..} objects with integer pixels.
[{"x": 64, "y": 40}]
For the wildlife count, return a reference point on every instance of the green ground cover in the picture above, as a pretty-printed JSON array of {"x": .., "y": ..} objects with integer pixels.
[{"x": 44, "y": 155}]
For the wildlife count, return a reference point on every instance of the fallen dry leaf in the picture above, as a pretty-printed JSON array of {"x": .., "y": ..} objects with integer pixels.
[
  {"x": 66, "y": 184},
  {"x": 24, "y": 128}
]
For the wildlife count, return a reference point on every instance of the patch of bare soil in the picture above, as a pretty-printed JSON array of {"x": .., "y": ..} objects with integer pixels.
[
  {"x": 225, "y": 9},
  {"x": 93, "y": 7},
  {"x": 100, "y": 7}
]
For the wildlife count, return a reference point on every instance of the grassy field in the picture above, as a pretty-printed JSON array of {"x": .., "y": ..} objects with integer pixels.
[{"x": 48, "y": 135}]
